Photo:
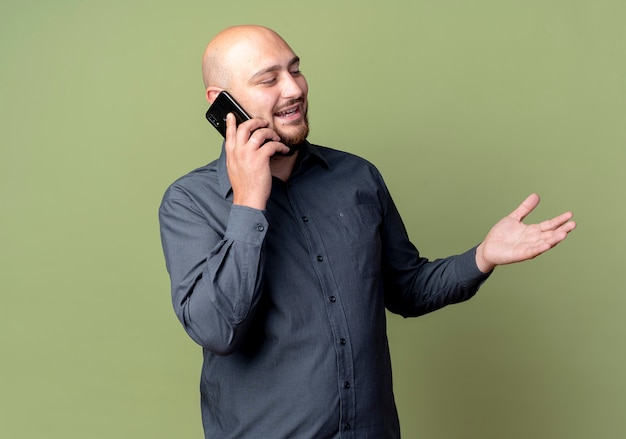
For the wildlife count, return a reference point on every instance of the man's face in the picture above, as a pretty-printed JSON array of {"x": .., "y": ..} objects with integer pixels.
[{"x": 268, "y": 84}]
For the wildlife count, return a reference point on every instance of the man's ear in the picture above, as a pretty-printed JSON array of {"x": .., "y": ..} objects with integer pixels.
[{"x": 211, "y": 93}]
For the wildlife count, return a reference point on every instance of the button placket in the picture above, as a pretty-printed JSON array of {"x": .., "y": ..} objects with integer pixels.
[{"x": 334, "y": 309}]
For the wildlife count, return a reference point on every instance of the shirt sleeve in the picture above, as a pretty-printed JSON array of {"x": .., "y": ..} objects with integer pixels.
[
  {"x": 415, "y": 285},
  {"x": 215, "y": 276}
]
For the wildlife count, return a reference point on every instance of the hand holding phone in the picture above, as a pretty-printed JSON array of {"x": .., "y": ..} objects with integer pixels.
[
  {"x": 224, "y": 104},
  {"x": 251, "y": 180}
]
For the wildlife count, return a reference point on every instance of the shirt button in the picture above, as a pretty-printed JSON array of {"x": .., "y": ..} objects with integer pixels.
[
  {"x": 346, "y": 385},
  {"x": 342, "y": 341},
  {"x": 320, "y": 258},
  {"x": 346, "y": 426},
  {"x": 260, "y": 227},
  {"x": 305, "y": 219},
  {"x": 333, "y": 299}
]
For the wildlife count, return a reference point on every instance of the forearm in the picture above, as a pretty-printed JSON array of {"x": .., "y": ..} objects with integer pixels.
[
  {"x": 450, "y": 280},
  {"x": 436, "y": 284},
  {"x": 215, "y": 279}
]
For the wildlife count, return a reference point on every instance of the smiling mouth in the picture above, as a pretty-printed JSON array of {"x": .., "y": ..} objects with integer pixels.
[
  {"x": 287, "y": 113},
  {"x": 291, "y": 110}
]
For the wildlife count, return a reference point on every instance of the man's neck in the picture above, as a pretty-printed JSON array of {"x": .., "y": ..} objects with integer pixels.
[{"x": 282, "y": 165}]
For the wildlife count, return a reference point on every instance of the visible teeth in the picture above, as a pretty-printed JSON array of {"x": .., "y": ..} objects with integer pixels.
[{"x": 287, "y": 113}]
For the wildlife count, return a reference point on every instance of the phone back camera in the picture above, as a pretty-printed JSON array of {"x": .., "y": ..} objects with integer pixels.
[{"x": 214, "y": 120}]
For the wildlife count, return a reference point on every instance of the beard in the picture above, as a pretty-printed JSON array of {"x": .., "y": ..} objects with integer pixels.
[{"x": 294, "y": 140}]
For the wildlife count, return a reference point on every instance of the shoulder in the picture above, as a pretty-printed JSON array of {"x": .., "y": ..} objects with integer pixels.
[
  {"x": 342, "y": 159},
  {"x": 202, "y": 180},
  {"x": 349, "y": 166}
]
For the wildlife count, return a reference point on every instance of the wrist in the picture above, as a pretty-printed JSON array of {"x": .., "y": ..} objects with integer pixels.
[
  {"x": 483, "y": 264},
  {"x": 254, "y": 202}
]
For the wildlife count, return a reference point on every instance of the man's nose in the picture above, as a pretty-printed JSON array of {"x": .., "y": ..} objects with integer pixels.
[{"x": 291, "y": 88}]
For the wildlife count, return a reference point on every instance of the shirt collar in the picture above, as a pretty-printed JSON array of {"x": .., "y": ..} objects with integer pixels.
[{"x": 310, "y": 154}]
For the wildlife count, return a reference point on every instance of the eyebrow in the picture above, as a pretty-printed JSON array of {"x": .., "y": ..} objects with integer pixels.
[{"x": 274, "y": 68}]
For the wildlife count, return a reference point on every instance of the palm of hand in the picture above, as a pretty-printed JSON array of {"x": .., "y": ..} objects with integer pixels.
[{"x": 510, "y": 240}]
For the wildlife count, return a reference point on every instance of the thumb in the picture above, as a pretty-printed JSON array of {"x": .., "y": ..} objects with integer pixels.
[{"x": 527, "y": 206}]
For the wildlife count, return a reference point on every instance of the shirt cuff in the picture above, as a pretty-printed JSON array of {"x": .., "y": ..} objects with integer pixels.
[
  {"x": 467, "y": 269},
  {"x": 246, "y": 224}
]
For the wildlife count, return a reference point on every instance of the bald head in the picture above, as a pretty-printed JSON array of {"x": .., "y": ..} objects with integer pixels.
[
  {"x": 230, "y": 47},
  {"x": 259, "y": 69}
]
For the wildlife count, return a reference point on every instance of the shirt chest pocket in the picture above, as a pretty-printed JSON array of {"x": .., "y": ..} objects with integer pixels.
[{"x": 360, "y": 226}]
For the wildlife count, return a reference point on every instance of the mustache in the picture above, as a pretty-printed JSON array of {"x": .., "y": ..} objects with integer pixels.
[{"x": 289, "y": 104}]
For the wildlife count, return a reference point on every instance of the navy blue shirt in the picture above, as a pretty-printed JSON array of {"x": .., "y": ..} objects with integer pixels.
[{"x": 289, "y": 303}]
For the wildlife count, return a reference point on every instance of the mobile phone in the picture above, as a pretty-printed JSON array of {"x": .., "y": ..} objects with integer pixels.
[{"x": 221, "y": 106}]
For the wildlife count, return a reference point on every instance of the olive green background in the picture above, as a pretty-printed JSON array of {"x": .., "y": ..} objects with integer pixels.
[{"x": 466, "y": 107}]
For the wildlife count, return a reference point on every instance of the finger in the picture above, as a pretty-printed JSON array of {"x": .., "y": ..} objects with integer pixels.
[
  {"x": 277, "y": 147},
  {"x": 231, "y": 130},
  {"x": 553, "y": 237},
  {"x": 252, "y": 125},
  {"x": 246, "y": 131},
  {"x": 556, "y": 222},
  {"x": 527, "y": 206},
  {"x": 567, "y": 227},
  {"x": 263, "y": 135}
]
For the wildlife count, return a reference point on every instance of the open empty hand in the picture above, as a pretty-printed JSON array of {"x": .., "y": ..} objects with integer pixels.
[{"x": 510, "y": 240}]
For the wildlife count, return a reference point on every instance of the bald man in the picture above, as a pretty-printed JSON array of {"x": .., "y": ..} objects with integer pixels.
[{"x": 283, "y": 256}]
